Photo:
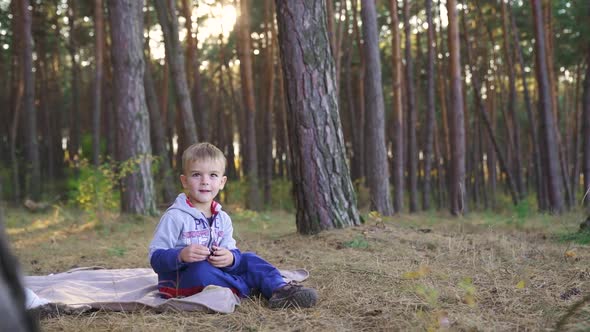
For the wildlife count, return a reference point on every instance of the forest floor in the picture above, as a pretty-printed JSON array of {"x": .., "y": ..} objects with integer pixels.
[{"x": 428, "y": 271}]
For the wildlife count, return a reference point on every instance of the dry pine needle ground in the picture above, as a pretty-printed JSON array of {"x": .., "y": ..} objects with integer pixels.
[{"x": 416, "y": 273}]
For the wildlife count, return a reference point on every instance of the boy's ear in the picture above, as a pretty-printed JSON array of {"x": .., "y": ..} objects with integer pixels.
[
  {"x": 223, "y": 181},
  {"x": 183, "y": 180}
]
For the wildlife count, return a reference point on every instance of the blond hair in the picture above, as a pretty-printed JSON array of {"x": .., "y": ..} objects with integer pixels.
[{"x": 202, "y": 151}]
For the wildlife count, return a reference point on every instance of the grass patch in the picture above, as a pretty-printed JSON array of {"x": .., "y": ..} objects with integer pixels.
[
  {"x": 578, "y": 237},
  {"x": 359, "y": 242}
]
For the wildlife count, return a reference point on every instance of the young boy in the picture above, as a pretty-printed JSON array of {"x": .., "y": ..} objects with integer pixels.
[{"x": 193, "y": 246}]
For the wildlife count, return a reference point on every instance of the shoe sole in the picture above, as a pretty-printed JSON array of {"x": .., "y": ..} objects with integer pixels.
[{"x": 301, "y": 299}]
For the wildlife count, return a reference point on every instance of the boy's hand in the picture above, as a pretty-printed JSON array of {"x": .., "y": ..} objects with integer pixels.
[
  {"x": 221, "y": 257},
  {"x": 194, "y": 253}
]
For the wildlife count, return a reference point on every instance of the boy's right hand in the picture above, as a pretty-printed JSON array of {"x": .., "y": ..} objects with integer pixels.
[{"x": 194, "y": 253}]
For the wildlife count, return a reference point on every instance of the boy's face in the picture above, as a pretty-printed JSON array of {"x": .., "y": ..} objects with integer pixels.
[{"x": 203, "y": 179}]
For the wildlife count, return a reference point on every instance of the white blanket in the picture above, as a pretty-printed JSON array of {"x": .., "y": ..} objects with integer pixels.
[{"x": 127, "y": 290}]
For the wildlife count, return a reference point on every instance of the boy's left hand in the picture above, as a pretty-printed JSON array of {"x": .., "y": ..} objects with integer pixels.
[{"x": 221, "y": 257}]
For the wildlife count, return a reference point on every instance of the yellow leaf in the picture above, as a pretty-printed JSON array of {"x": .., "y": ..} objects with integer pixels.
[
  {"x": 570, "y": 254},
  {"x": 521, "y": 284},
  {"x": 469, "y": 300},
  {"x": 411, "y": 275},
  {"x": 422, "y": 271}
]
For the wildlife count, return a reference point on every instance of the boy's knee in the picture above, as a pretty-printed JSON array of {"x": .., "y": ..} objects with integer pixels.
[{"x": 202, "y": 268}]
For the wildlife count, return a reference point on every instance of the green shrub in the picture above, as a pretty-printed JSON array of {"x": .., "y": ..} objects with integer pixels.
[{"x": 95, "y": 190}]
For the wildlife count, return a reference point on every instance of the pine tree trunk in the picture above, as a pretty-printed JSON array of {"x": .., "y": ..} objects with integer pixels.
[
  {"x": 282, "y": 136},
  {"x": 358, "y": 155},
  {"x": 377, "y": 168},
  {"x": 33, "y": 167},
  {"x": 245, "y": 56},
  {"x": 324, "y": 195},
  {"x": 110, "y": 130},
  {"x": 267, "y": 143},
  {"x": 74, "y": 118},
  {"x": 412, "y": 161},
  {"x": 126, "y": 22},
  {"x": 577, "y": 161},
  {"x": 340, "y": 26},
  {"x": 550, "y": 154},
  {"x": 398, "y": 111},
  {"x": 456, "y": 116},
  {"x": 586, "y": 129},
  {"x": 17, "y": 92},
  {"x": 444, "y": 132},
  {"x": 492, "y": 161},
  {"x": 45, "y": 136},
  {"x": 430, "y": 113},
  {"x": 98, "y": 74},
  {"x": 175, "y": 58},
  {"x": 330, "y": 25}
]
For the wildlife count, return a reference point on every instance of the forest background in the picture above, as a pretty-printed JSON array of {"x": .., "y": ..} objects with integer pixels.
[
  {"x": 508, "y": 119},
  {"x": 465, "y": 106}
]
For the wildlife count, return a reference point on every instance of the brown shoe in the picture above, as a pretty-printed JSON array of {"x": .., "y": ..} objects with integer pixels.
[{"x": 293, "y": 295}]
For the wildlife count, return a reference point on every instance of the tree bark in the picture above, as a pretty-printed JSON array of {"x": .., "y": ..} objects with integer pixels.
[
  {"x": 267, "y": 133},
  {"x": 74, "y": 118},
  {"x": 430, "y": 108},
  {"x": 550, "y": 153},
  {"x": 586, "y": 129},
  {"x": 245, "y": 56},
  {"x": 412, "y": 161},
  {"x": 175, "y": 58},
  {"x": 359, "y": 114},
  {"x": 577, "y": 124},
  {"x": 16, "y": 97},
  {"x": 376, "y": 151},
  {"x": 324, "y": 195},
  {"x": 282, "y": 135},
  {"x": 33, "y": 167},
  {"x": 456, "y": 116},
  {"x": 430, "y": 105},
  {"x": 398, "y": 111},
  {"x": 98, "y": 74},
  {"x": 126, "y": 21},
  {"x": 444, "y": 134}
]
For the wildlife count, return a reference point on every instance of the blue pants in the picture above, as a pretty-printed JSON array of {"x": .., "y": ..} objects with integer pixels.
[{"x": 252, "y": 272}]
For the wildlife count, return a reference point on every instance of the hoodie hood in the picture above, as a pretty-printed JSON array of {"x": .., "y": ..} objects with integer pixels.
[{"x": 183, "y": 203}]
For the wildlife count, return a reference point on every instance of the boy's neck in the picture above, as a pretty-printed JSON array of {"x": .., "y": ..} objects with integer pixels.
[{"x": 205, "y": 208}]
